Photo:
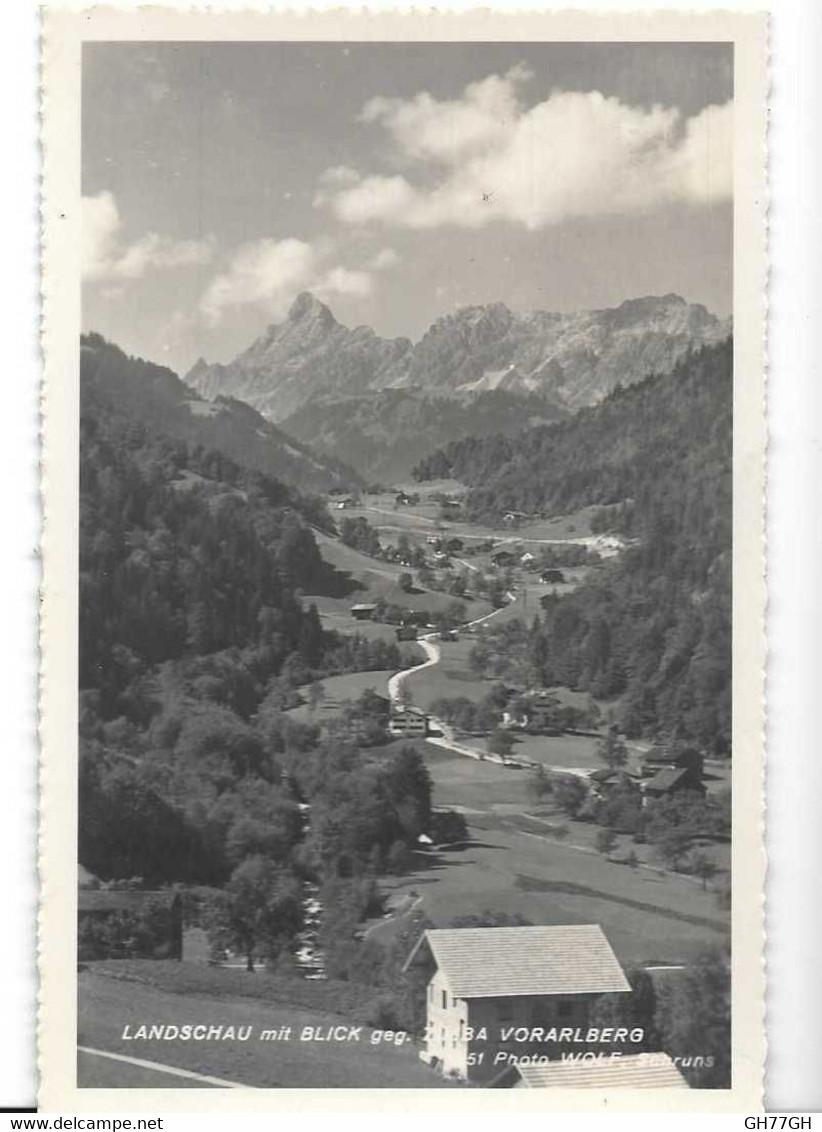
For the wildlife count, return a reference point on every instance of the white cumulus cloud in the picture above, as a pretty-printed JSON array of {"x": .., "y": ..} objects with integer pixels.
[
  {"x": 487, "y": 156},
  {"x": 107, "y": 258}
]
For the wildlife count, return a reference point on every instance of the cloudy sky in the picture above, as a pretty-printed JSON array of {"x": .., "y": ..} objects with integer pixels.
[{"x": 396, "y": 181}]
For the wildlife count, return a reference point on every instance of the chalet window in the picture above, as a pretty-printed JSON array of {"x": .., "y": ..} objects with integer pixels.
[{"x": 445, "y": 1000}]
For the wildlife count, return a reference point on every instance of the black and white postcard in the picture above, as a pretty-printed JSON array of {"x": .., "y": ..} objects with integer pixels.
[{"x": 402, "y": 623}]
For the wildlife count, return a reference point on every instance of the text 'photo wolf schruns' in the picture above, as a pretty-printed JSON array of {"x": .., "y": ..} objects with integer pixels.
[{"x": 405, "y": 565}]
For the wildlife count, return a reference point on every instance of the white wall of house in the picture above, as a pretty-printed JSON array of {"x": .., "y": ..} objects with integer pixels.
[
  {"x": 447, "y": 1019},
  {"x": 450, "y": 1021}
]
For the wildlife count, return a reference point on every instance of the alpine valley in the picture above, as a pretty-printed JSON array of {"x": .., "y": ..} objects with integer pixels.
[{"x": 381, "y": 404}]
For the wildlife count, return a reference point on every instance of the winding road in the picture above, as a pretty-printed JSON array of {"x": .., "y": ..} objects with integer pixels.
[{"x": 446, "y": 739}]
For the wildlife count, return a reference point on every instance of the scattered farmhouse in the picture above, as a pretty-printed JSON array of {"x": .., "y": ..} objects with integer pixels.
[
  {"x": 660, "y": 758},
  {"x": 500, "y": 993},
  {"x": 628, "y": 1071},
  {"x": 669, "y": 772},
  {"x": 534, "y": 711},
  {"x": 363, "y": 611},
  {"x": 408, "y": 721},
  {"x": 552, "y": 577},
  {"x": 673, "y": 780},
  {"x": 503, "y": 558}
]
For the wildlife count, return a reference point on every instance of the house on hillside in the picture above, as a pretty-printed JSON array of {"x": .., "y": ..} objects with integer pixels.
[
  {"x": 498, "y": 993},
  {"x": 363, "y": 611},
  {"x": 668, "y": 772},
  {"x": 124, "y": 923},
  {"x": 552, "y": 577},
  {"x": 408, "y": 721},
  {"x": 628, "y": 1071},
  {"x": 673, "y": 780},
  {"x": 503, "y": 558},
  {"x": 535, "y": 711},
  {"x": 661, "y": 758}
]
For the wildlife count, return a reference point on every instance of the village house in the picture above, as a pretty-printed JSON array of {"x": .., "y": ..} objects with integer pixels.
[
  {"x": 494, "y": 993},
  {"x": 503, "y": 558},
  {"x": 363, "y": 611},
  {"x": 670, "y": 771},
  {"x": 407, "y": 721},
  {"x": 658, "y": 758},
  {"x": 673, "y": 780},
  {"x": 605, "y": 779},
  {"x": 534, "y": 711},
  {"x": 627, "y": 1071}
]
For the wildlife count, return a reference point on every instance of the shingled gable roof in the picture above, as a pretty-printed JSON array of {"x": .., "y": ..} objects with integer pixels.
[
  {"x": 497, "y": 962},
  {"x": 665, "y": 779},
  {"x": 631, "y": 1071}
]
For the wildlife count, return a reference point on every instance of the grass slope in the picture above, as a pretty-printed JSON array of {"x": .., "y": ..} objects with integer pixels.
[{"x": 108, "y": 1004}]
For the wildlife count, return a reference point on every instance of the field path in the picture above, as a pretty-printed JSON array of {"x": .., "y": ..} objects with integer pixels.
[{"x": 434, "y": 654}]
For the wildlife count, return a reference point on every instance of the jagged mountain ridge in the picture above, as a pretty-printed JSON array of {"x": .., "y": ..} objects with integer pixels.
[
  {"x": 309, "y": 354},
  {"x": 155, "y": 396},
  {"x": 574, "y": 359}
]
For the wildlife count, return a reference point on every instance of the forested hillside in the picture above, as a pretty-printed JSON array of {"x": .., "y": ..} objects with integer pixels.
[
  {"x": 650, "y": 630},
  {"x": 158, "y": 398},
  {"x": 193, "y": 641}
]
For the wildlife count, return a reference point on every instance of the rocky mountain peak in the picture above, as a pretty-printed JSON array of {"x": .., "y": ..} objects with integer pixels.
[{"x": 308, "y": 307}]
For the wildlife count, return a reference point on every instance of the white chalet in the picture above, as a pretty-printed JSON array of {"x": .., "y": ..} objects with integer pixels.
[
  {"x": 497, "y": 992},
  {"x": 407, "y": 720}
]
